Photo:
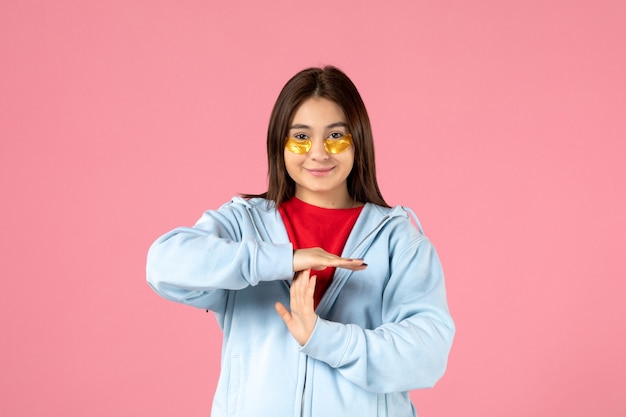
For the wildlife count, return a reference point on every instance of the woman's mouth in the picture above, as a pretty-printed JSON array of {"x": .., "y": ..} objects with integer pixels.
[{"x": 319, "y": 172}]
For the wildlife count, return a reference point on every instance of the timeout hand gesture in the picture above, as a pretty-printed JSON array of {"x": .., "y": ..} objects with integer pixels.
[{"x": 302, "y": 318}]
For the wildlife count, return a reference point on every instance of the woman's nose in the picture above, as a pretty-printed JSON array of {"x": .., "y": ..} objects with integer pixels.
[{"x": 318, "y": 152}]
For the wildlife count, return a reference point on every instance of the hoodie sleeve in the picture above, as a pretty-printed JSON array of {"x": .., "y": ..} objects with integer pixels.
[
  {"x": 410, "y": 350},
  {"x": 194, "y": 265}
]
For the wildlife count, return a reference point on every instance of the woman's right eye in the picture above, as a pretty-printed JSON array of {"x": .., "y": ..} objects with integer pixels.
[{"x": 300, "y": 136}]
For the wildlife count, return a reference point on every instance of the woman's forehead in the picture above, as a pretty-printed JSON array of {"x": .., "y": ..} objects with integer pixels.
[{"x": 318, "y": 113}]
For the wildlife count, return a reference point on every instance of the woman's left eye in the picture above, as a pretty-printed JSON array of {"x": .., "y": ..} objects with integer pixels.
[{"x": 336, "y": 135}]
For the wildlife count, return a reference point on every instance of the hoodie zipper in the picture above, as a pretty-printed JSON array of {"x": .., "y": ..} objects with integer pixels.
[{"x": 306, "y": 369}]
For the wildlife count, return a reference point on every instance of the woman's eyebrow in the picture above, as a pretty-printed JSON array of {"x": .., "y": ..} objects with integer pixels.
[
  {"x": 299, "y": 126},
  {"x": 337, "y": 124},
  {"x": 330, "y": 126}
]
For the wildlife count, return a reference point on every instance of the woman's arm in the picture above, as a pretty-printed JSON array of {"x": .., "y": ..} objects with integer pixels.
[
  {"x": 192, "y": 265},
  {"x": 410, "y": 350}
]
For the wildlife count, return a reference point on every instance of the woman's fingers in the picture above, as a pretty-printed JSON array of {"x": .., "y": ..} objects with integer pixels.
[
  {"x": 302, "y": 318},
  {"x": 283, "y": 312},
  {"x": 294, "y": 292},
  {"x": 318, "y": 259},
  {"x": 350, "y": 263},
  {"x": 302, "y": 292},
  {"x": 309, "y": 294}
]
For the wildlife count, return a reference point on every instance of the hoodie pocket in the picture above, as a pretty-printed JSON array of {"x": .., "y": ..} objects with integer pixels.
[{"x": 233, "y": 385}]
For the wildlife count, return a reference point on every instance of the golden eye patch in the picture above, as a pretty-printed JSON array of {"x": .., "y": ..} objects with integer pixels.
[{"x": 332, "y": 146}]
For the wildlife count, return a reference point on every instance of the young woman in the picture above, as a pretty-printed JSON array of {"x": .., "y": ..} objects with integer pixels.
[{"x": 331, "y": 302}]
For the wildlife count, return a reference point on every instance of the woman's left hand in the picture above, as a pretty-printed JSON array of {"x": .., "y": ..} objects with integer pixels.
[{"x": 302, "y": 318}]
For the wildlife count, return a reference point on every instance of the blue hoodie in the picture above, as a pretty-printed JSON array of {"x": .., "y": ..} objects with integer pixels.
[{"x": 381, "y": 332}]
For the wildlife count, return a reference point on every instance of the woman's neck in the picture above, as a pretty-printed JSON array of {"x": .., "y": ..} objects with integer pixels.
[{"x": 327, "y": 200}]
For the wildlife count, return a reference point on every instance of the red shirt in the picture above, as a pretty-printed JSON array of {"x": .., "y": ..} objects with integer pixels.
[{"x": 310, "y": 226}]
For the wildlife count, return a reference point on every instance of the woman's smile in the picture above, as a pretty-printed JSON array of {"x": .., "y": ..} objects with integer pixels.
[{"x": 319, "y": 172}]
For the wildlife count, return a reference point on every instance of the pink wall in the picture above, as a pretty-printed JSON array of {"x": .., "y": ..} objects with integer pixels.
[{"x": 501, "y": 123}]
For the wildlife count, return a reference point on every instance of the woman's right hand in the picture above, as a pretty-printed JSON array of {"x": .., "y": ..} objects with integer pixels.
[{"x": 318, "y": 259}]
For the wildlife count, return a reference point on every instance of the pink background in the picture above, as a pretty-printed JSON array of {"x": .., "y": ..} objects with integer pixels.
[{"x": 501, "y": 123}]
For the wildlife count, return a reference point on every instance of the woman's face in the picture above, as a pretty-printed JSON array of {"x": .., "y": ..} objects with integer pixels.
[{"x": 320, "y": 177}]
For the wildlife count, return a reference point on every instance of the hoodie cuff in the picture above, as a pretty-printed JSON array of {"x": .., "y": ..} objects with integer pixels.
[
  {"x": 274, "y": 262},
  {"x": 328, "y": 342}
]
